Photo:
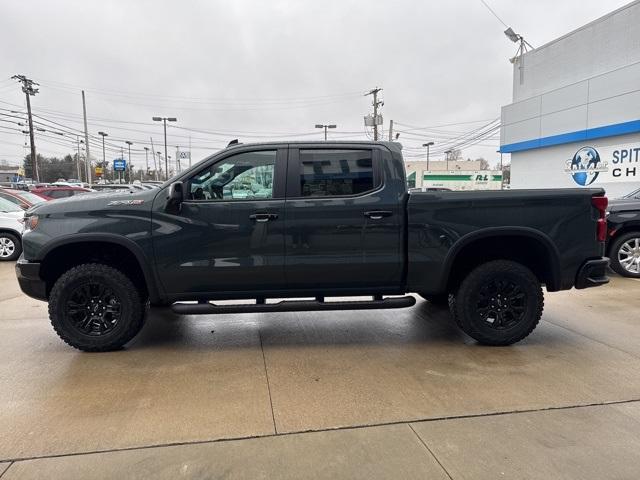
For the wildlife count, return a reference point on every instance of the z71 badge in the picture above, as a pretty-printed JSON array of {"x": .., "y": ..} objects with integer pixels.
[{"x": 114, "y": 203}]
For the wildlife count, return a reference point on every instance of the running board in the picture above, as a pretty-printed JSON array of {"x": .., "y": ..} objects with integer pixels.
[{"x": 293, "y": 306}]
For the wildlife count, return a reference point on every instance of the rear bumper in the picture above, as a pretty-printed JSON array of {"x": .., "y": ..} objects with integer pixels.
[
  {"x": 593, "y": 273},
  {"x": 28, "y": 274}
]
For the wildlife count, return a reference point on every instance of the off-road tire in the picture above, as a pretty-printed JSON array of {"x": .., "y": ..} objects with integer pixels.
[
  {"x": 17, "y": 246},
  {"x": 613, "y": 253},
  {"x": 132, "y": 311},
  {"x": 464, "y": 305}
]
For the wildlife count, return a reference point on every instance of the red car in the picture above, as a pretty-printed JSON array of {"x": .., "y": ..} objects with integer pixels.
[
  {"x": 60, "y": 192},
  {"x": 22, "y": 198}
]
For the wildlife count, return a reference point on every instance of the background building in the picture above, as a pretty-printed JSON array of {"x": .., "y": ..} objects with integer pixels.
[
  {"x": 456, "y": 175},
  {"x": 575, "y": 116}
]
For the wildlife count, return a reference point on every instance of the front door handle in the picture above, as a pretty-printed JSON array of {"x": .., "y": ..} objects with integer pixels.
[
  {"x": 378, "y": 214},
  {"x": 263, "y": 217}
]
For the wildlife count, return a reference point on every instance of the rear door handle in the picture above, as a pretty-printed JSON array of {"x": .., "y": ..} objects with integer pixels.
[
  {"x": 378, "y": 214},
  {"x": 263, "y": 217}
]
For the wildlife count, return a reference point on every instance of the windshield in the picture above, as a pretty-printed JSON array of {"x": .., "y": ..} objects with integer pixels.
[
  {"x": 32, "y": 198},
  {"x": 7, "y": 206}
]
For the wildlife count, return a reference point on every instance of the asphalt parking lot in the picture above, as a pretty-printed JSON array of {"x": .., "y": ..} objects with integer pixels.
[{"x": 373, "y": 394}]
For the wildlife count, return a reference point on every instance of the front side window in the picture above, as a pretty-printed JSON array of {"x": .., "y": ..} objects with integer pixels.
[
  {"x": 245, "y": 176},
  {"x": 325, "y": 173}
]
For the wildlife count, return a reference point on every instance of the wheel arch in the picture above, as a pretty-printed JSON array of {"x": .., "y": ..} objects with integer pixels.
[
  {"x": 101, "y": 247},
  {"x": 499, "y": 243},
  {"x": 626, "y": 228}
]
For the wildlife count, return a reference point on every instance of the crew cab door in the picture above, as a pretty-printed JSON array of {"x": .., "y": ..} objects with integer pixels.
[
  {"x": 344, "y": 225},
  {"x": 228, "y": 235}
]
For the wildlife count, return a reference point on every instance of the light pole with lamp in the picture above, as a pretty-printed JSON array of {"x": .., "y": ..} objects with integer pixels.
[
  {"x": 165, "y": 120},
  {"x": 427, "y": 145},
  {"x": 129, "y": 144},
  {"x": 447, "y": 158},
  {"x": 104, "y": 158},
  {"x": 325, "y": 129},
  {"x": 146, "y": 161}
]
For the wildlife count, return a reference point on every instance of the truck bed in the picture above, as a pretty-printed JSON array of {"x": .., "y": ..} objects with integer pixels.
[{"x": 440, "y": 224}]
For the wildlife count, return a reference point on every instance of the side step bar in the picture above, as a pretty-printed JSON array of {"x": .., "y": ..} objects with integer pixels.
[{"x": 293, "y": 306}]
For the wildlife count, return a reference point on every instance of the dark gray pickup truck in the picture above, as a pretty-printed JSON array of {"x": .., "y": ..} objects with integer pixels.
[{"x": 305, "y": 222}]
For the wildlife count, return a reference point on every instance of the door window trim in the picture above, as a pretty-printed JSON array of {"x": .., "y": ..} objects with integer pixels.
[{"x": 293, "y": 171}]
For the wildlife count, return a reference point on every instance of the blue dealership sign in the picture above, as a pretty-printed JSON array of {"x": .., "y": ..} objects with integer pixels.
[{"x": 119, "y": 164}]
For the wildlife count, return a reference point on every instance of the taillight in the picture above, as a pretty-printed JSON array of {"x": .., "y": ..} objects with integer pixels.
[{"x": 600, "y": 203}]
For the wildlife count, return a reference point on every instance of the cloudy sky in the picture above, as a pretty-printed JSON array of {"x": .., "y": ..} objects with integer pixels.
[{"x": 259, "y": 70}]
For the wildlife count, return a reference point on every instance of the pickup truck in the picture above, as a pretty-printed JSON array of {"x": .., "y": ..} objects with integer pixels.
[{"x": 307, "y": 222}]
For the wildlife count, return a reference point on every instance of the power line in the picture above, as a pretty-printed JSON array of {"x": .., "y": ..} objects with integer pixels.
[{"x": 494, "y": 13}]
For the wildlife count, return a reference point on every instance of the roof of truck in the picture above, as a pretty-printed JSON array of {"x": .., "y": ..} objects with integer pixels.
[{"x": 390, "y": 145}]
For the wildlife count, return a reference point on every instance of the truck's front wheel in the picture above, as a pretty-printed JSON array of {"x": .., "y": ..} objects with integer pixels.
[
  {"x": 499, "y": 303},
  {"x": 95, "y": 308}
]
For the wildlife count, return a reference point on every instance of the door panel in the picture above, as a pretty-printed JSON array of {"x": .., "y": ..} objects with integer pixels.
[
  {"x": 335, "y": 240},
  {"x": 229, "y": 235}
]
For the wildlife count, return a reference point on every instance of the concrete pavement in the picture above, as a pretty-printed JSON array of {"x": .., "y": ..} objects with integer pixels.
[{"x": 382, "y": 394}]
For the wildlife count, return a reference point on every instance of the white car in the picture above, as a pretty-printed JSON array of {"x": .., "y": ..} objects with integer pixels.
[{"x": 11, "y": 220}]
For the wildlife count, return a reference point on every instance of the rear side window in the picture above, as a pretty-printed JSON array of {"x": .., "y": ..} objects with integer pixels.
[{"x": 327, "y": 173}]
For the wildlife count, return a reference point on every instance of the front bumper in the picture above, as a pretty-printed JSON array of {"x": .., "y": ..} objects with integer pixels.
[
  {"x": 28, "y": 274},
  {"x": 593, "y": 273}
]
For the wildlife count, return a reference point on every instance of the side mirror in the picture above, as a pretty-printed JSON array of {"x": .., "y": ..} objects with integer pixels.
[{"x": 175, "y": 197}]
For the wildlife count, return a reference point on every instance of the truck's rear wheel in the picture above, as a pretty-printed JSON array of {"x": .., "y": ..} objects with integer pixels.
[
  {"x": 499, "y": 303},
  {"x": 95, "y": 308}
]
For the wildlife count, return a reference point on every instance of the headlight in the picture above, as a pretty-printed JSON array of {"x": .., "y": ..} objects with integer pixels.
[{"x": 30, "y": 222}]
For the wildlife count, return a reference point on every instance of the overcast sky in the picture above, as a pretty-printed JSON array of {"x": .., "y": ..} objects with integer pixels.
[{"x": 258, "y": 70}]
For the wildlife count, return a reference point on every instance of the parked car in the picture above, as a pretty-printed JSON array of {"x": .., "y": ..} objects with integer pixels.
[
  {"x": 319, "y": 219},
  {"x": 11, "y": 220},
  {"x": 60, "y": 192},
  {"x": 14, "y": 185},
  {"x": 623, "y": 245},
  {"x": 114, "y": 187},
  {"x": 24, "y": 199}
]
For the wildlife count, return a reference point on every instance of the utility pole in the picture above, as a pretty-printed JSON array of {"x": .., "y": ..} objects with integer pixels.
[
  {"x": 28, "y": 87},
  {"x": 376, "y": 103},
  {"x": 177, "y": 159},
  {"x": 104, "y": 158},
  {"x": 130, "y": 170},
  {"x": 391, "y": 130},
  {"x": 120, "y": 172},
  {"x": 86, "y": 142}
]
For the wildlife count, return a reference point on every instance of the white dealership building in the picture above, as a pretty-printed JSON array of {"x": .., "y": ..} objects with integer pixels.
[{"x": 575, "y": 116}]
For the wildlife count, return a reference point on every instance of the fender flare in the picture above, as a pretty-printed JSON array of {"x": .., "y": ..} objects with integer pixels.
[
  {"x": 466, "y": 240},
  {"x": 134, "y": 248}
]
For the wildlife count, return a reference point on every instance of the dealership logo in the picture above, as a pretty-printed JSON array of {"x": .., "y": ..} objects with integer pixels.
[{"x": 585, "y": 166}]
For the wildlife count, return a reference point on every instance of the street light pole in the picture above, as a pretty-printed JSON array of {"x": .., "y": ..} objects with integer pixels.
[
  {"x": 165, "y": 120},
  {"x": 104, "y": 158},
  {"x": 146, "y": 161},
  {"x": 325, "y": 129},
  {"x": 129, "y": 144},
  {"x": 78, "y": 158},
  {"x": 447, "y": 158},
  {"x": 427, "y": 145}
]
